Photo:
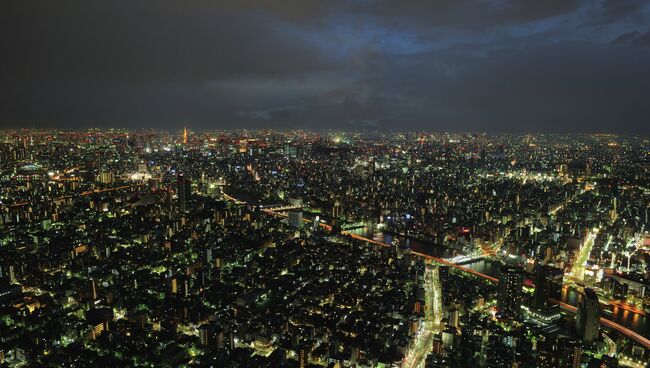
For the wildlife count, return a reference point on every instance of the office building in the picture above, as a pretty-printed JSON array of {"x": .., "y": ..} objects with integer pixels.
[
  {"x": 295, "y": 219},
  {"x": 510, "y": 291},
  {"x": 548, "y": 285},
  {"x": 184, "y": 191},
  {"x": 571, "y": 354}
]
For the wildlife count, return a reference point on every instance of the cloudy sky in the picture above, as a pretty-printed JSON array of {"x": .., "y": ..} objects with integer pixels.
[{"x": 434, "y": 65}]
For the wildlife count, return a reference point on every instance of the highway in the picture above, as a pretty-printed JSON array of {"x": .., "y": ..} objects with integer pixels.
[{"x": 82, "y": 194}]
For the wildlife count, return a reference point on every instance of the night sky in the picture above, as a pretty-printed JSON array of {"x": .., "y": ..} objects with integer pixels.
[{"x": 450, "y": 65}]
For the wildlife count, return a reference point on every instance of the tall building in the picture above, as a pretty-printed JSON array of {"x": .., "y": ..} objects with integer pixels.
[
  {"x": 588, "y": 316},
  {"x": 93, "y": 290},
  {"x": 510, "y": 291},
  {"x": 337, "y": 210},
  {"x": 571, "y": 354},
  {"x": 545, "y": 359},
  {"x": 184, "y": 191},
  {"x": 454, "y": 317},
  {"x": 548, "y": 285},
  {"x": 302, "y": 353},
  {"x": 295, "y": 219}
]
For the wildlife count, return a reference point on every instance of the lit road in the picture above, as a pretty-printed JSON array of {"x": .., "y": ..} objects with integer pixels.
[
  {"x": 603, "y": 321},
  {"x": 578, "y": 270},
  {"x": 83, "y": 194},
  {"x": 417, "y": 354},
  {"x": 423, "y": 342},
  {"x": 611, "y": 345}
]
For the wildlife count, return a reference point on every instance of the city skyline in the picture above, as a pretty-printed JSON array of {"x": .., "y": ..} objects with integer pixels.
[{"x": 296, "y": 249}]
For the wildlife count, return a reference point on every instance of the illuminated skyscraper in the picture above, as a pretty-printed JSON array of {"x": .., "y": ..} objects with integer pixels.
[
  {"x": 571, "y": 354},
  {"x": 545, "y": 359},
  {"x": 302, "y": 353},
  {"x": 510, "y": 284},
  {"x": 183, "y": 192}
]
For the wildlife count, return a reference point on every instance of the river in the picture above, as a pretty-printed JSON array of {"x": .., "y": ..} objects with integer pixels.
[{"x": 636, "y": 322}]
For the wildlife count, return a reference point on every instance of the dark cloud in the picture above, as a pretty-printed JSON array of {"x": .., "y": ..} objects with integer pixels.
[
  {"x": 626, "y": 37},
  {"x": 615, "y": 9},
  {"x": 634, "y": 38},
  {"x": 642, "y": 40},
  {"x": 573, "y": 87},
  {"x": 619, "y": 11},
  {"x": 468, "y": 14},
  {"x": 499, "y": 65},
  {"x": 99, "y": 41}
]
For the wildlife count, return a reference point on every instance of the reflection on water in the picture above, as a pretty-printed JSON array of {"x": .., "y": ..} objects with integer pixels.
[
  {"x": 489, "y": 268},
  {"x": 635, "y": 322},
  {"x": 623, "y": 317},
  {"x": 415, "y": 245}
]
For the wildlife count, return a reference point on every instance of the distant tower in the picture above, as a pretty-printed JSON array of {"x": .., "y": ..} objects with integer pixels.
[
  {"x": 588, "y": 316},
  {"x": 185, "y": 136}
]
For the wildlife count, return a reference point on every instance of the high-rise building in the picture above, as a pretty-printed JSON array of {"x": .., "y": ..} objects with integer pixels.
[
  {"x": 509, "y": 300},
  {"x": 453, "y": 317},
  {"x": 588, "y": 316},
  {"x": 619, "y": 289},
  {"x": 443, "y": 273},
  {"x": 295, "y": 219},
  {"x": 204, "y": 335},
  {"x": 337, "y": 210},
  {"x": 303, "y": 355},
  {"x": 208, "y": 255},
  {"x": 545, "y": 359},
  {"x": 437, "y": 345},
  {"x": 93, "y": 290},
  {"x": 184, "y": 191},
  {"x": 548, "y": 285},
  {"x": 571, "y": 354}
]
